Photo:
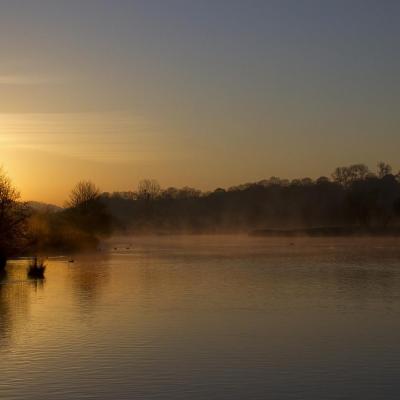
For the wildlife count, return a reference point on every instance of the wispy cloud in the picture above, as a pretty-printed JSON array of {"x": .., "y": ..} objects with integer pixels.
[
  {"x": 17, "y": 80},
  {"x": 106, "y": 137}
]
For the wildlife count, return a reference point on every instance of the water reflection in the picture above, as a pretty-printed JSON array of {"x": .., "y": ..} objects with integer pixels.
[
  {"x": 5, "y": 320},
  {"x": 37, "y": 284},
  {"x": 196, "y": 318},
  {"x": 89, "y": 276},
  {"x": 15, "y": 300},
  {"x": 3, "y": 276},
  {"x": 14, "y": 308}
]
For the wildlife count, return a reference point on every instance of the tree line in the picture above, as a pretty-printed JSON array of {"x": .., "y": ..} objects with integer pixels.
[{"x": 352, "y": 196}]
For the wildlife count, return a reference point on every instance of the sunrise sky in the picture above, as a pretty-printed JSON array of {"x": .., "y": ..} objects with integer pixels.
[{"x": 194, "y": 92}]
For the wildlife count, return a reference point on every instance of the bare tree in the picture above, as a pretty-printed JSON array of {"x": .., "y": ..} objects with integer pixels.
[
  {"x": 83, "y": 194},
  {"x": 87, "y": 211},
  {"x": 148, "y": 189},
  {"x": 346, "y": 175},
  {"x": 384, "y": 169},
  {"x": 8, "y": 193},
  {"x": 13, "y": 215}
]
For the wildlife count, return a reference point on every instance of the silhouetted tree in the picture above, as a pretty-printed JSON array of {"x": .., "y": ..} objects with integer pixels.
[
  {"x": 13, "y": 216},
  {"x": 83, "y": 195},
  {"x": 384, "y": 169},
  {"x": 346, "y": 175},
  {"x": 148, "y": 189},
  {"x": 87, "y": 210}
]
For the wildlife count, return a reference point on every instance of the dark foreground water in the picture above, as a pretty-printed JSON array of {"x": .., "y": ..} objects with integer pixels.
[{"x": 207, "y": 318}]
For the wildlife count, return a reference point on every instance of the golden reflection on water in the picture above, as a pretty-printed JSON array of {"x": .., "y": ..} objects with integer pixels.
[
  {"x": 14, "y": 307},
  {"x": 201, "y": 317}
]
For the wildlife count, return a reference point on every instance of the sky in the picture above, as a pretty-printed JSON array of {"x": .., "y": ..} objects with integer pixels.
[{"x": 194, "y": 93}]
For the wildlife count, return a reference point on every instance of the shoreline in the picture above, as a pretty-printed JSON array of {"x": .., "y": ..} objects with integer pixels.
[{"x": 336, "y": 231}]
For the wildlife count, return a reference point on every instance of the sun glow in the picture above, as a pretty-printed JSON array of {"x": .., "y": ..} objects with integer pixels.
[
  {"x": 102, "y": 147},
  {"x": 93, "y": 136}
]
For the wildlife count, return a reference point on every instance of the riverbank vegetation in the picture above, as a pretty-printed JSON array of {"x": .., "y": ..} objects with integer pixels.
[
  {"x": 27, "y": 231},
  {"x": 13, "y": 220},
  {"x": 353, "y": 200},
  {"x": 352, "y": 197}
]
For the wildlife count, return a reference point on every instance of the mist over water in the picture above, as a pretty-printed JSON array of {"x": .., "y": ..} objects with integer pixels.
[{"x": 206, "y": 317}]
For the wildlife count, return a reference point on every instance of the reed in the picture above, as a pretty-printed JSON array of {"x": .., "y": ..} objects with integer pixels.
[{"x": 36, "y": 269}]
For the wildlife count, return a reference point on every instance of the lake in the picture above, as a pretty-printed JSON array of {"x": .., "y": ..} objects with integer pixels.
[{"x": 203, "y": 317}]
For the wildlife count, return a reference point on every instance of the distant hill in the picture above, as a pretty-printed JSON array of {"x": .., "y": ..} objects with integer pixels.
[{"x": 44, "y": 207}]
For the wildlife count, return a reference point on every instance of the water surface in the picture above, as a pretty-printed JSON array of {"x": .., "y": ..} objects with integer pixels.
[{"x": 206, "y": 318}]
